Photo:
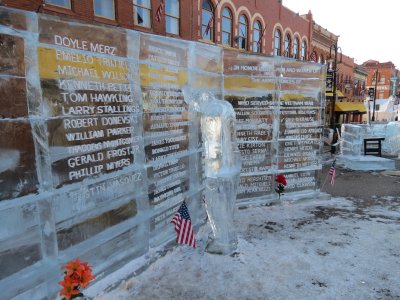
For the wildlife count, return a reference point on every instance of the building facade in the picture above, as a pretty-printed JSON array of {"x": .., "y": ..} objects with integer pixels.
[
  {"x": 260, "y": 26},
  {"x": 323, "y": 42},
  {"x": 382, "y": 78},
  {"x": 359, "y": 84}
]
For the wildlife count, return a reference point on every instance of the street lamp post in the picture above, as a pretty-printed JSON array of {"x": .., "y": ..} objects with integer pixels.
[
  {"x": 334, "y": 94},
  {"x": 376, "y": 85}
]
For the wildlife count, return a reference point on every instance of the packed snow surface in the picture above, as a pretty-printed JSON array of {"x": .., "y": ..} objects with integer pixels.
[{"x": 314, "y": 249}]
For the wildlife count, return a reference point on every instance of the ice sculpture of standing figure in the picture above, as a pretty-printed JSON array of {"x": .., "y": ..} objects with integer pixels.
[{"x": 222, "y": 170}]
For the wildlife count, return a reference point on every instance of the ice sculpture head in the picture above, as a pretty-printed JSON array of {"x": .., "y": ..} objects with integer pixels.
[{"x": 219, "y": 135}]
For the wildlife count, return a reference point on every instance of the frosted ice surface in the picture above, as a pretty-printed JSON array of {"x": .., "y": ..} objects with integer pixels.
[
  {"x": 222, "y": 160},
  {"x": 9, "y": 159}
]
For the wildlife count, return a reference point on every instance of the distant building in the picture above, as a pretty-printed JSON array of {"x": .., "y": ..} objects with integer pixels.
[
  {"x": 380, "y": 77},
  {"x": 322, "y": 42},
  {"x": 359, "y": 84},
  {"x": 345, "y": 76}
]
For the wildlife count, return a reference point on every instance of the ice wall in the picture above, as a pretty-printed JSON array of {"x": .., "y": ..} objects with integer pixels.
[
  {"x": 279, "y": 105},
  {"x": 100, "y": 140},
  {"x": 352, "y": 139}
]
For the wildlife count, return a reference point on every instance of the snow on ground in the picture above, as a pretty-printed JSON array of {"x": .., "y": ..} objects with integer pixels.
[{"x": 315, "y": 249}]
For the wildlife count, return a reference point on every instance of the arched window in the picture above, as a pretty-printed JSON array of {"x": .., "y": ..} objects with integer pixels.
[
  {"x": 303, "y": 50},
  {"x": 277, "y": 42},
  {"x": 207, "y": 19},
  {"x": 288, "y": 45},
  {"x": 243, "y": 29},
  {"x": 227, "y": 27},
  {"x": 320, "y": 59},
  {"x": 142, "y": 13},
  {"x": 172, "y": 16},
  {"x": 257, "y": 38},
  {"x": 296, "y": 48}
]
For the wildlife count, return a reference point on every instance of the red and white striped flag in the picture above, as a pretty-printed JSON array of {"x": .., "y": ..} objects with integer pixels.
[
  {"x": 313, "y": 56},
  {"x": 183, "y": 226},
  {"x": 332, "y": 172},
  {"x": 259, "y": 42},
  {"x": 160, "y": 11},
  {"x": 209, "y": 24}
]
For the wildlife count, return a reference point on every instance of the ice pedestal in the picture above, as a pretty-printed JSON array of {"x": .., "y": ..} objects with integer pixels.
[
  {"x": 222, "y": 169},
  {"x": 220, "y": 209}
]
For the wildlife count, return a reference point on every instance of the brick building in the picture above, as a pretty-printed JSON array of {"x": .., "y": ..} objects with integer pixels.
[
  {"x": 263, "y": 26},
  {"x": 387, "y": 75},
  {"x": 345, "y": 75},
  {"x": 260, "y": 26},
  {"x": 323, "y": 42},
  {"x": 359, "y": 84}
]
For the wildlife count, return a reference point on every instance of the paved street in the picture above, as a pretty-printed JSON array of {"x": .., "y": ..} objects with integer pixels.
[{"x": 366, "y": 185}]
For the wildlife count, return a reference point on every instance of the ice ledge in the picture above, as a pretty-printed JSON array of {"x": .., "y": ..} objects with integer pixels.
[{"x": 366, "y": 163}]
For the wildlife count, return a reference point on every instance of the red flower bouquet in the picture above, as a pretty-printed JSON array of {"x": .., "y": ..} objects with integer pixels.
[
  {"x": 280, "y": 183},
  {"x": 77, "y": 275}
]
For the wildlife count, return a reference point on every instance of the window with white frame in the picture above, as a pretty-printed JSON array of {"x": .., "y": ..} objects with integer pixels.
[
  {"x": 277, "y": 42},
  {"x": 104, "y": 9},
  {"x": 207, "y": 21},
  {"x": 303, "y": 50},
  {"x": 296, "y": 48},
  {"x": 62, "y": 3},
  {"x": 382, "y": 79},
  {"x": 227, "y": 27},
  {"x": 172, "y": 16},
  {"x": 142, "y": 13},
  {"x": 257, "y": 36},
  {"x": 288, "y": 45},
  {"x": 243, "y": 30}
]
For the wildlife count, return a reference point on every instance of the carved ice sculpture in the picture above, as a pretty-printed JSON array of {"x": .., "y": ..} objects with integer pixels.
[{"x": 222, "y": 169}]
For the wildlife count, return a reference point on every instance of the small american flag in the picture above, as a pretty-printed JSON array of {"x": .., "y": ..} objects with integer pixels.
[
  {"x": 332, "y": 172},
  {"x": 183, "y": 226},
  {"x": 313, "y": 56},
  {"x": 209, "y": 24},
  {"x": 159, "y": 11}
]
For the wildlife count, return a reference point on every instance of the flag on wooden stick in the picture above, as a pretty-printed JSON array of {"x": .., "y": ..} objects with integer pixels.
[
  {"x": 259, "y": 42},
  {"x": 160, "y": 11},
  {"x": 183, "y": 226},
  {"x": 332, "y": 172}
]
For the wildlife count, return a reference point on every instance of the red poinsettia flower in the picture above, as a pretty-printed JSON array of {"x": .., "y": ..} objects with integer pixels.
[
  {"x": 281, "y": 179},
  {"x": 74, "y": 266},
  {"x": 86, "y": 277},
  {"x": 69, "y": 289},
  {"x": 77, "y": 275}
]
